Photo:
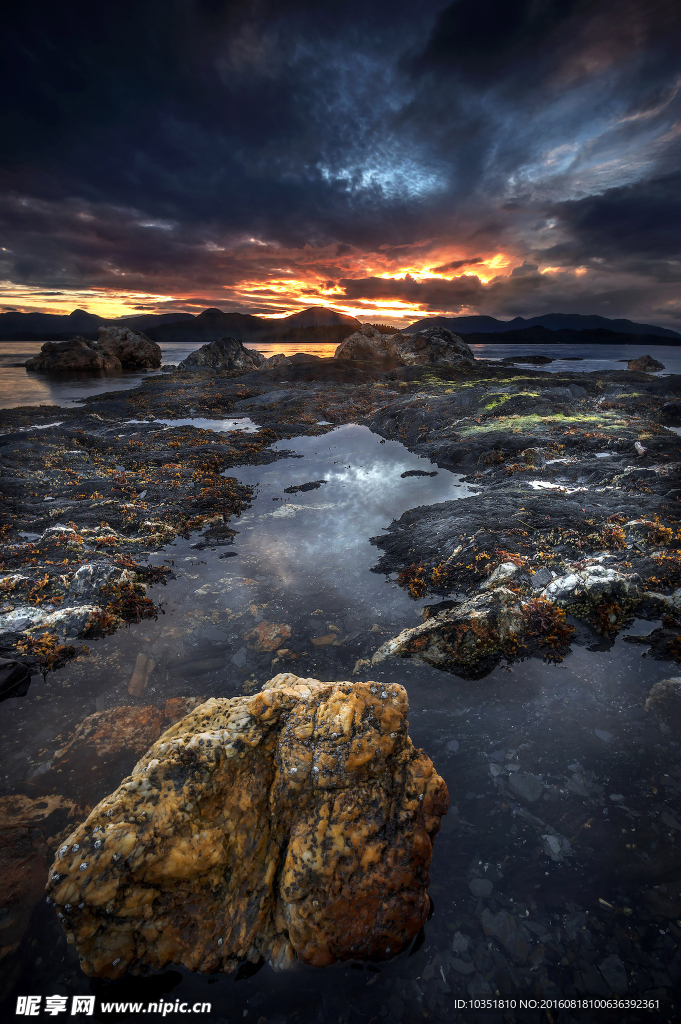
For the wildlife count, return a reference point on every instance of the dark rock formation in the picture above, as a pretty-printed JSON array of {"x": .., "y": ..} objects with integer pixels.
[
  {"x": 433, "y": 345},
  {"x": 295, "y": 359},
  {"x": 223, "y": 354},
  {"x": 295, "y": 822},
  {"x": 15, "y": 677},
  {"x": 645, "y": 363},
  {"x": 117, "y": 348}
]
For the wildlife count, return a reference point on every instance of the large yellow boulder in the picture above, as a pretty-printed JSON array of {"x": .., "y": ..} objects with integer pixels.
[{"x": 297, "y": 822}]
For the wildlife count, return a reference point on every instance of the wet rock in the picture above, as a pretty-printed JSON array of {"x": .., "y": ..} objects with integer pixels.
[
  {"x": 278, "y": 359},
  {"x": 20, "y": 618},
  {"x": 591, "y": 584},
  {"x": 465, "y": 639},
  {"x": 267, "y": 636},
  {"x": 76, "y": 621},
  {"x": 614, "y": 973},
  {"x": 503, "y": 926},
  {"x": 527, "y": 787},
  {"x": 460, "y": 942},
  {"x": 77, "y": 355},
  {"x": 432, "y": 345},
  {"x": 671, "y": 412},
  {"x": 239, "y": 659},
  {"x": 312, "y": 485},
  {"x": 295, "y": 822},
  {"x": 590, "y": 980},
  {"x": 367, "y": 344},
  {"x": 417, "y": 472},
  {"x": 223, "y": 354},
  {"x": 462, "y": 966},
  {"x": 664, "y": 699},
  {"x": 479, "y": 987},
  {"x": 645, "y": 363},
  {"x": 556, "y": 847},
  {"x": 133, "y": 348},
  {"x": 503, "y": 572},
  {"x": 144, "y": 666},
  {"x": 15, "y": 677},
  {"x": 88, "y": 581},
  {"x": 117, "y": 348},
  {"x": 541, "y": 579},
  {"x": 324, "y": 641},
  {"x": 51, "y": 812},
  {"x": 106, "y": 734},
  {"x": 480, "y": 887}
]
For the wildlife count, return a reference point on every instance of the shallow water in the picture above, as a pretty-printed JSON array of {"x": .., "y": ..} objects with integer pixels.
[
  {"x": 222, "y": 426},
  {"x": 304, "y": 561},
  {"x": 19, "y": 387},
  {"x": 585, "y": 358}
]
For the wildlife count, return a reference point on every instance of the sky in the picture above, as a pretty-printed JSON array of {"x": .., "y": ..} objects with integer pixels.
[{"x": 386, "y": 158}]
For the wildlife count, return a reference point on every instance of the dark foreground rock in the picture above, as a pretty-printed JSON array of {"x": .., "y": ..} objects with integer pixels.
[
  {"x": 223, "y": 354},
  {"x": 294, "y": 823},
  {"x": 432, "y": 345},
  {"x": 116, "y": 349}
]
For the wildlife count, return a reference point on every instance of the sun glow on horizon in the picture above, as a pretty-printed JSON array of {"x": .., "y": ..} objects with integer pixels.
[{"x": 287, "y": 282}]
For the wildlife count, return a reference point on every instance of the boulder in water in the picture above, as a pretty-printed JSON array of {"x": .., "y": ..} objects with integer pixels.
[
  {"x": 223, "y": 354},
  {"x": 297, "y": 822},
  {"x": 116, "y": 349},
  {"x": 645, "y": 363},
  {"x": 432, "y": 345}
]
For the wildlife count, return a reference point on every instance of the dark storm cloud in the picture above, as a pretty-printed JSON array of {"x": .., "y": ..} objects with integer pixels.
[
  {"x": 511, "y": 296},
  {"x": 455, "y": 265},
  {"x": 146, "y": 143},
  {"x": 632, "y": 222}
]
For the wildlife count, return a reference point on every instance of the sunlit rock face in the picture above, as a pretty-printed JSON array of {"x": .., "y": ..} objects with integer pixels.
[
  {"x": 432, "y": 345},
  {"x": 295, "y": 822},
  {"x": 117, "y": 348},
  {"x": 223, "y": 354}
]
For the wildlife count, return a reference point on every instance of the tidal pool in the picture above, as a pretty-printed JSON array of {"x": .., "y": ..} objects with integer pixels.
[{"x": 556, "y": 873}]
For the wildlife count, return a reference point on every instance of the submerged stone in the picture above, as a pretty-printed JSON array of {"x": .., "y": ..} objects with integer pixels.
[
  {"x": 665, "y": 699},
  {"x": 295, "y": 822}
]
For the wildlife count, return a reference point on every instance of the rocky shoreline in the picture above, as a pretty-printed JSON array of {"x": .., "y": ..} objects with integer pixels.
[
  {"x": 574, "y": 529},
  {"x": 571, "y": 535}
]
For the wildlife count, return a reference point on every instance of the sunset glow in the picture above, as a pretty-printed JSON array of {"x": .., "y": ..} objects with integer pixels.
[{"x": 279, "y": 291}]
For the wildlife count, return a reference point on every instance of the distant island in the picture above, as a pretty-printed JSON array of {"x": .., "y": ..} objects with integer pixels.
[{"x": 319, "y": 324}]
